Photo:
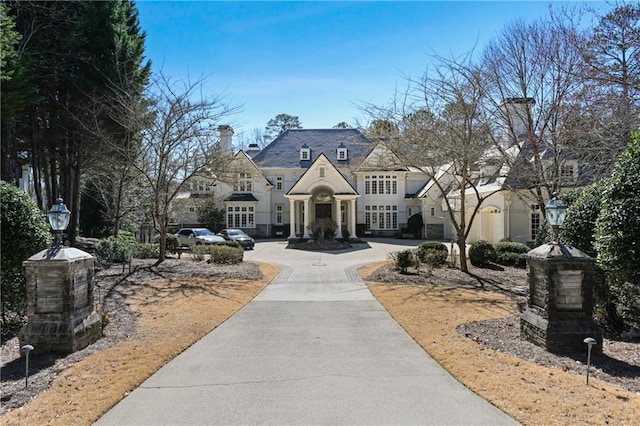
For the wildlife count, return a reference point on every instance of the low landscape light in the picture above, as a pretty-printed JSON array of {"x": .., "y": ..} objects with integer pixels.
[
  {"x": 590, "y": 341},
  {"x": 26, "y": 349}
]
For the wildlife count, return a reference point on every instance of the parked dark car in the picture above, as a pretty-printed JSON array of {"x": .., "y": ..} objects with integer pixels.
[
  {"x": 197, "y": 236},
  {"x": 239, "y": 236}
]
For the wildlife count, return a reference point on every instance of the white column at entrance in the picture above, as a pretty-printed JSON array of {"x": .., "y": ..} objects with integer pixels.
[
  {"x": 292, "y": 219},
  {"x": 352, "y": 218},
  {"x": 338, "y": 219},
  {"x": 306, "y": 218}
]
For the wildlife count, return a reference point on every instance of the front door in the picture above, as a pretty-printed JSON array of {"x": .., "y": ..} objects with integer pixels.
[{"x": 323, "y": 211}]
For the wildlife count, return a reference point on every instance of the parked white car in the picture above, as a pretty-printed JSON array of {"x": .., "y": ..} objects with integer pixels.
[{"x": 197, "y": 236}]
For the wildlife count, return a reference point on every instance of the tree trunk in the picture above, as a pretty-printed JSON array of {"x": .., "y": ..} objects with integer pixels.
[{"x": 462, "y": 246}]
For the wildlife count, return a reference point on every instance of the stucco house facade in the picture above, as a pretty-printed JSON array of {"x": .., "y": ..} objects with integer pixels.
[{"x": 308, "y": 183}]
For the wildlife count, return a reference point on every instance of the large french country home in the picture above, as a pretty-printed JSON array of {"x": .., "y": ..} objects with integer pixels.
[{"x": 308, "y": 183}]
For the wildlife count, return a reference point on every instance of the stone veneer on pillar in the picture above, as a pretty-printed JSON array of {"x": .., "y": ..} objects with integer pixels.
[
  {"x": 60, "y": 309},
  {"x": 559, "y": 312}
]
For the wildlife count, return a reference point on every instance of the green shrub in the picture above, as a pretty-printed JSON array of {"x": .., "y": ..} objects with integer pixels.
[
  {"x": 225, "y": 254},
  {"x": 346, "y": 234},
  {"x": 617, "y": 238},
  {"x": 432, "y": 253},
  {"x": 578, "y": 230},
  {"x": 172, "y": 243},
  {"x": 126, "y": 237},
  {"x": 507, "y": 258},
  {"x": 511, "y": 247},
  {"x": 435, "y": 245},
  {"x": 25, "y": 232},
  {"x": 114, "y": 250},
  {"x": 199, "y": 252},
  {"x": 435, "y": 258},
  {"x": 403, "y": 260},
  {"x": 481, "y": 253},
  {"x": 233, "y": 244},
  {"x": 146, "y": 251},
  {"x": 509, "y": 253}
]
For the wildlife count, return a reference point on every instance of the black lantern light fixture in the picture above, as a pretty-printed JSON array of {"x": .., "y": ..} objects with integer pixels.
[
  {"x": 556, "y": 212},
  {"x": 59, "y": 217}
]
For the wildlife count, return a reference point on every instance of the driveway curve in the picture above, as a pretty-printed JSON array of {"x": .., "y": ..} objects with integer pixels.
[{"x": 314, "y": 347}]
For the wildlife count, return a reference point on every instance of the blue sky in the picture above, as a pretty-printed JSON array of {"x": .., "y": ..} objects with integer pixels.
[{"x": 316, "y": 60}]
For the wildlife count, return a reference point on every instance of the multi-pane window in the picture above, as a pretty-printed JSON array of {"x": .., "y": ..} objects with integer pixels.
[
  {"x": 381, "y": 217},
  {"x": 279, "y": 183},
  {"x": 342, "y": 153},
  {"x": 567, "y": 173},
  {"x": 381, "y": 184},
  {"x": 305, "y": 153},
  {"x": 240, "y": 216},
  {"x": 199, "y": 185},
  {"x": 244, "y": 183},
  {"x": 343, "y": 214},
  {"x": 279, "y": 213},
  {"x": 535, "y": 221},
  {"x": 367, "y": 216},
  {"x": 432, "y": 211}
]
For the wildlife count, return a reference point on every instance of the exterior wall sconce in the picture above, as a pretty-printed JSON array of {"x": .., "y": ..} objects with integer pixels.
[
  {"x": 556, "y": 213},
  {"x": 59, "y": 217}
]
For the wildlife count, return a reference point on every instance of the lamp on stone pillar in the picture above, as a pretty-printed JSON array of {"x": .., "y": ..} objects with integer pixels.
[
  {"x": 559, "y": 311},
  {"x": 59, "y": 217},
  {"x": 61, "y": 315},
  {"x": 556, "y": 212}
]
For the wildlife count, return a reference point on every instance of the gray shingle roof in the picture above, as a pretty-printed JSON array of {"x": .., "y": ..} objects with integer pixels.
[
  {"x": 284, "y": 151},
  {"x": 241, "y": 197}
]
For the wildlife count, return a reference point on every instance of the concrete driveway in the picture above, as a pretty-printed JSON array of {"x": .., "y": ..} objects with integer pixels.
[{"x": 314, "y": 347}]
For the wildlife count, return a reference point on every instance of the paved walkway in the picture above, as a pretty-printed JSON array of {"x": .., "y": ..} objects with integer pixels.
[{"x": 314, "y": 347}]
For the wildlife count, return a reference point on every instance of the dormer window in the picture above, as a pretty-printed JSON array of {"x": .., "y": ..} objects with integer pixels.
[
  {"x": 568, "y": 173},
  {"x": 305, "y": 153},
  {"x": 342, "y": 152}
]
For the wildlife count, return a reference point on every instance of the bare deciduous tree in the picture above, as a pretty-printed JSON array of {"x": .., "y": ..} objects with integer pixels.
[
  {"x": 179, "y": 141},
  {"x": 607, "y": 108},
  {"x": 531, "y": 79},
  {"x": 439, "y": 126}
]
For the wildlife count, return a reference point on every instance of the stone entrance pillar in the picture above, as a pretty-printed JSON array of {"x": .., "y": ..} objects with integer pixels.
[
  {"x": 60, "y": 309},
  {"x": 558, "y": 316}
]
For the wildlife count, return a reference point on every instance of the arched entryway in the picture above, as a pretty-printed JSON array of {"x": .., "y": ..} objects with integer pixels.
[
  {"x": 323, "y": 219},
  {"x": 322, "y": 200}
]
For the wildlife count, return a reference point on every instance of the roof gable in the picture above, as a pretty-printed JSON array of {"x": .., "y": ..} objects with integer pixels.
[
  {"x": 243, "y": 160},
  {"x": 381, "y": 157},
  {"x": 322, "y": 173},
  {"x": 284, "y": 151}
]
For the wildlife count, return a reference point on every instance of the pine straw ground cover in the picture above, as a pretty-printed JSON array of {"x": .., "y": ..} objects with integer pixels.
[
  {"x": 174, "y": 310},
  {"x": 530, "y": 393}
]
